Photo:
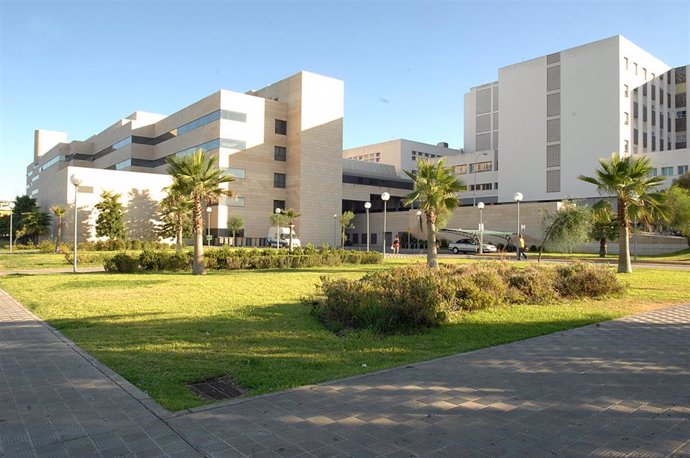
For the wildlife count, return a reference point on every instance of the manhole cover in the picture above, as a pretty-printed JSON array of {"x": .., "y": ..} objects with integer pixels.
[{"x": 217, "y": 388}]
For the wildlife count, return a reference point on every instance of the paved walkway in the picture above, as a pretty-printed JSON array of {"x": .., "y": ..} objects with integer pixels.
[{"x": 621, "y": 388}]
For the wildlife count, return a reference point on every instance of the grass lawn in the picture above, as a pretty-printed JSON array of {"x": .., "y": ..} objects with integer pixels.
[
  {"x": 162, "y": 331},
  {"x": 35, "y": 260}
]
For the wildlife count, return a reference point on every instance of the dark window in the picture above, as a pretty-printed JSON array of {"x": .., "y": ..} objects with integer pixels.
[
  {"x": 653, "y": 118},
  {"x": 373, "y": 238},
  {"x": 281, "y": 127},
  {"x": 355, "y": 239},
  {"x": 653, "y": 143},
  {"x": 377, "y": 182},
  {"x": 668, "y": 144},
  {"x": 278, "y": 204},
  {"x": 681, "y": 124},
  {"x": 668, "y": 124},
  {"x": 635, "y": 136},
  {"x": 661, "y": 96},
  {"x": 681, "y": 99},
  {"x": 644, "y": 89},
  {"x": 680, "y": 75},
  {"x": 280, "y": 153},
  {"x": 653, "y": 92},
  {"x": 278, "y": 180},
  {"x": 661, "y": 121},
  {"x": 635, "y": 107},
  {"x": 364, "y": 238},
  {"x": 668, "y": 96},
  {"x": 644, "y": 139},
  {"x": 644, "y": 113},
  {"x": 661, "y": 144}
]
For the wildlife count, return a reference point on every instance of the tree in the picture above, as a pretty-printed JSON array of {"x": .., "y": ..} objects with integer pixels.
[
  {"x": 290, "y": 216},
  {"x": 346, "y": 223},
  {"x": 195, "y": 175},
  {"x": 22, "y": 204},
  {"x": 235, "y": 223},
  {"x": 604, "y": 225},
  {"x": 566, "y": 227},
  {"x": 59, "y": 213},
  {"x": 683, "y": 181},
  {"x": 111, "y": 217},
  {"x": 35, "y": 223},
  {"x": 435, "y": 190},
  {"x": 175, "y": 209},
  {"x": 628, "y": 180},
  {"x": 678, "y": 200}
]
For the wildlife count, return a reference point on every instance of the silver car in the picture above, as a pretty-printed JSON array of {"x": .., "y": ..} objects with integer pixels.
[{"x": 470, "y": 246}]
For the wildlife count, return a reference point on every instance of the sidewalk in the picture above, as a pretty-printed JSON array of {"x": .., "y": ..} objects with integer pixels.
[{"x": 619, "y": 388}]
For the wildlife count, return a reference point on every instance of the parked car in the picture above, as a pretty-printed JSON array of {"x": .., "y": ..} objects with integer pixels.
[{"x": 470, "y": 246}]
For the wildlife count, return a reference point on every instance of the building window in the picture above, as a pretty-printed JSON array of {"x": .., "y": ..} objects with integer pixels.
[
  {"x": 653, "y": 142},
  {"x": 635, "y": 110},
  {"x": 460, "y": 169},
  {"x": 364, "y": 238},
  {"x": 279, "y": 204},
  {"x": 278, "y": 180},
  {"x": 653, "y": 117},
  {"x": 123, "y": 165},
  {"x": 667, "y": 171},
  {"x": 644, "y": 113},
  {"x": 644, "y": 89},
  {"x": 653, "y": 92},
  {"x": 281, "y": 127},
  {"x": 373, "y": 238},
  {"x": 668, "y": 97},
  {"x": 626, "y": 146},
  {"x": 481, "y": 167},
  {"x": 635, "y": 142},
  {"x": 661, "y": 122},
  {"x": 661, "y": 96},
  {"x": 280, "y": 153},
  {"x": 652, "y": 172},
  {"x": 355, "y": 239},
  {"x": 644, "y": 139},
  {"x": 235, "y": 173},
  {"x": 661, "y": 144},
  {"x": 625, "y": 90},
  {"x": 236, "y": 201},
  {"x": 626, "y": 118},
  {"x": 682, "y": 169}
]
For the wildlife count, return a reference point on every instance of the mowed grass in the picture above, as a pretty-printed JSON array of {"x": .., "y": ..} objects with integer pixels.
[
  {"x": 35, "y": 260},
  {"x": 163, "y": 331}
]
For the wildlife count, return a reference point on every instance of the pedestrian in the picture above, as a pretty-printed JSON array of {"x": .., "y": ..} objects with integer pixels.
[
  {"x": 521, "y": 248},
  {"x": 396, "y": 244}
]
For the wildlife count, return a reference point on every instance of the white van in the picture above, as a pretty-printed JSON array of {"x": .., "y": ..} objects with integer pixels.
[{"x": 284, "y": 237}]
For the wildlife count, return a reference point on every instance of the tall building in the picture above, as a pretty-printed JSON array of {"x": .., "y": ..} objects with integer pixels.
[
  {"x": 282, "y": 144},
  {"x": 550, "y": 119}
]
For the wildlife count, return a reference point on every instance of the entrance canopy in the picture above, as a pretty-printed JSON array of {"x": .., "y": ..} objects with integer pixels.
[{"x": 474, "y": 234}]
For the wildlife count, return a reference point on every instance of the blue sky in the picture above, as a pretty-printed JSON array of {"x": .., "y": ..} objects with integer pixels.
[{"x": 80, "y": 66}]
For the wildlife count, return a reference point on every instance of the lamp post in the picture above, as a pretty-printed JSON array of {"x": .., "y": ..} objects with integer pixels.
[
  {"x": 277, "y": 210},
  {"x": 635, "y": 197},
  {"x": 76, "y": 180},
  {"x": 384, "y": 197},
  {"x": 421, "y": 227},
  {"x": 474, "y": 190},
  {"x": 335, "y": 230},
  {"x": 480, "y": 206},
  {"x": 518, "y": 198},
  {"x": 208, "y": 226},
  {"x": 367, "y": 206},
  {"x": 11, "y": 214}
]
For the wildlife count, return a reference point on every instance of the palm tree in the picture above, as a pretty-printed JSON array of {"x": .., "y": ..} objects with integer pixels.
[
  {"x": 345, "y": 223},
  {"x": 291, "y": 215},
  {"x": 175, "y": 209},
  {"x": 604, "y": 225},
  {"x": 196, "y": 176},
  {"x": 628, "y": 180},
  {"x": 59, "y": 213},
  {"x": 435, "y": 190},
  {"x": 235, "y": 223},
  {"x": 35, "y": 223}
]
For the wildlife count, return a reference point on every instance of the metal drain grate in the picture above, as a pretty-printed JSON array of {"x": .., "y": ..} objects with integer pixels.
[{"x": 217, "y": 388}]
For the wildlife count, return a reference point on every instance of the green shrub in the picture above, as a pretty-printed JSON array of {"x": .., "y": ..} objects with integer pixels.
[
  {"x": 86, "y": 257},
  {"x": 583, "y": 279},
  {"x": 531, "y": 285},
  {"x": 46, "y": 246},
  {"x": 478, "y": 286},
  {"x": 122, "y": 263}
]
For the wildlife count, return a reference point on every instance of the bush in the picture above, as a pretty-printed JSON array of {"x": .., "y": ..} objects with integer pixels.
[
  {"x": 583, "y": 279},
  {"x": 46, "y": 246},
  {"x": 415, "y": 297},
  {"x": 156, "y": 260},
  {"x": 85, "y": 258},
  {"x": 122, "y": 263}
]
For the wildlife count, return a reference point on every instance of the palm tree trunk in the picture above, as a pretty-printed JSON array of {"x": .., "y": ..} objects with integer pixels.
[
  {"x": 431, "y": 251},
  {"x": 233, "y": 238},
  {"x": 624, "y": 264},
  {"x": 198, "y": 261},
  {"x": 178, "y": 236},
  {"x": 290, "y": 226},
  {"x": 58, "y": 239},
  {"x": 602, "y": 247}
]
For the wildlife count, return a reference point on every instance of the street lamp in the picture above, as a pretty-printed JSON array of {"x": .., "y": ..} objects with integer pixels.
[
  {"x": 76, "y": 180},
  {"x": 277, "y": 210},
  {"x": 335, "y": 230},
  {"x": 518, "y": 198},
  {"x": 474, "y": 190},
  {"x": 367, "y": 206},
  {"x": 480, "y": 206},
  {"x": 208, "y": 226},
  {"x": 421, "y": 227},
  {"x": 384, "y": 197},
  {"x": 635, "y": 198},
  {"x": 11, "y": 213}
]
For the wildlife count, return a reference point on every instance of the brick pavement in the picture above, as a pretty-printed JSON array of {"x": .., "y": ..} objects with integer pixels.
[{"x": 621, "y": 388}]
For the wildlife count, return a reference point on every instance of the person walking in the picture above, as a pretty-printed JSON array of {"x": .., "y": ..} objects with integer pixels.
[
  {"x": 396, "y": 244},
  {"x": 521, "y": 248}
]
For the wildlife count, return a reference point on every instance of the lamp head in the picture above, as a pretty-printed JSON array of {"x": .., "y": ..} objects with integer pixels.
[
  {"x": 76, "y": 179},
  {"x": 385, "y": 196},
  {"x": 367, "y": 205},
  {"x": 480, "y": 205},
  {"x": 335, "y": 215},
  {"x": 12, "y": 205},
  {"x": 517, "y": 197},
  {"x": 278, "y": 210},
  {"x": 419, "y": 213}
]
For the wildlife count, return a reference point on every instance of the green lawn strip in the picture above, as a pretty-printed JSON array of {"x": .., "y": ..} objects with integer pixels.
[
  {"x": 162, "y": 331},
  {"x": 35, "y": 260}
]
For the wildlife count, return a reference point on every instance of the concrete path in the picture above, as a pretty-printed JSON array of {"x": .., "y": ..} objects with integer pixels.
[{"x": 621, "y": 388}]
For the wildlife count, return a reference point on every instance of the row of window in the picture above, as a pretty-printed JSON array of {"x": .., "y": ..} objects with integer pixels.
[
  {"x": 482, "y": 187},
  {"x": 371, "y": 157},
  {"x": 420, "y": 154},
  {"x": 356, "y": 238},
  {"x": 211, "y": 117},
  {"x": 668, "y": 171}
]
